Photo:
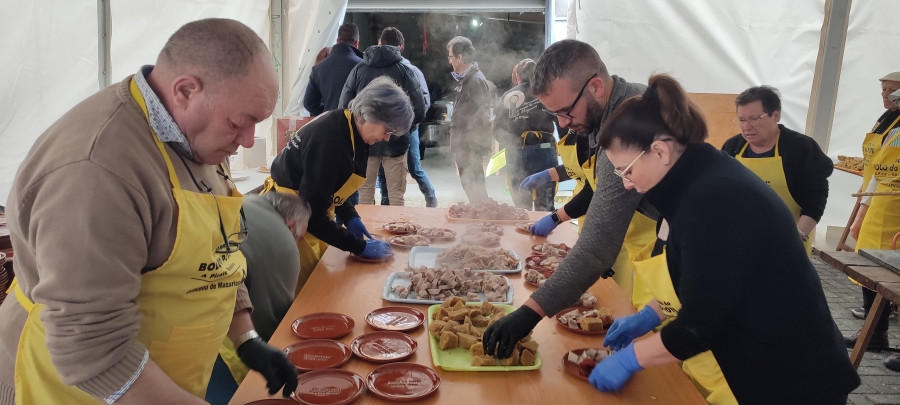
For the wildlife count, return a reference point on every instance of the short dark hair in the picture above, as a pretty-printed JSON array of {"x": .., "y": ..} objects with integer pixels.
[
  {"x": 348, "y": 33},
  {"x": 460, "y": 45},
  {"x": 568, "y": 58},
  {"x": 768, "y": 95},
  {"x": 391, "y": 36}
]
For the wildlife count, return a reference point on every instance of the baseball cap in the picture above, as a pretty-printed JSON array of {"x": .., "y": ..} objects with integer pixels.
[{"x": 894, "y": 77}]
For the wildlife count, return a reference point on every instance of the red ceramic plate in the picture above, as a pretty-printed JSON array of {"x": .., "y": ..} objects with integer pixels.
[
  {"x": 524, "y": 227},
  {"x": 395, "y": 242},
  {"x": 273, "y": 401},
  {"x": 390, "y": 227},
  {"x": 333, "y": 387},
  {"x": 317, "y": 354},
  {"x": 577, "y": 370},
  {"x": 400, "y": 319},
  {"x": 403, "y": 381},
  {"x": 448, "y": 236},
  {"x": 322, "y": 325},
  {"x": 372, "y": 260},
  {"x": 384, "y": 346},
  {"x": 578, "y": 330},
  {"x": 534, "y": 262}
]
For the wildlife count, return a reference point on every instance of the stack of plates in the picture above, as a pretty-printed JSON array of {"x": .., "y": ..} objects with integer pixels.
[{"x": 4, "y": 280}]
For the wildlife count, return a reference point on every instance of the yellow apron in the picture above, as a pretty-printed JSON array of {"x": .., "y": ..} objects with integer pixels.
[
  {"x": 575, "y": 171},
  {"x": 770, "y": 170},
  {"x": 652, "y": 273},
  {"x": 871, "y": 145},
  {"x": 641, "y": 231},
  {"x": 310, "y": 247},
  {"x": 882, "y": 220},
  {"x": 186, "y": 304}
]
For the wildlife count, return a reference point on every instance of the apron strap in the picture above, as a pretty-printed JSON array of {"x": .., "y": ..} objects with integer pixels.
[
  {"x": 352, "y": 139},
  {"x": 777, "y": 138},
  {"x": 20, "y": 295}
]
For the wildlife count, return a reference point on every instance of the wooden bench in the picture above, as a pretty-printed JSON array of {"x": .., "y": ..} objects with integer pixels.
[{"x": 872, "y": 275}]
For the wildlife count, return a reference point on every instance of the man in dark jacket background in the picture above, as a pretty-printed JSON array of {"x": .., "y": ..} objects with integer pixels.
[
  {"x": 385, "y": 60},
  {"x": 470, "y": 126},
  {"x": 327, "y": 78}
]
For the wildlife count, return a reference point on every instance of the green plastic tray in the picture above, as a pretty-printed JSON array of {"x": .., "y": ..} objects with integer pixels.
[{"x": 461, "y": 359}]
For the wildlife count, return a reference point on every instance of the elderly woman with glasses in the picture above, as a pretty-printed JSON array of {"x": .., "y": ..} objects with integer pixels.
[
  {"x": 325, "y": 163},
  {"x": 733, "y": 258}
]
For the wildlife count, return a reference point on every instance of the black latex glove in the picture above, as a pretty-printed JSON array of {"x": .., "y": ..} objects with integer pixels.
[
  {"x": 508, "y": 330},
  {"x": 272, "y": 363}
]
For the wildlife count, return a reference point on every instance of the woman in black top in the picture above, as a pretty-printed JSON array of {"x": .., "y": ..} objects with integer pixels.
[
  {"x": 325, "y": 163},
  {"x": 734, "y": 259}
]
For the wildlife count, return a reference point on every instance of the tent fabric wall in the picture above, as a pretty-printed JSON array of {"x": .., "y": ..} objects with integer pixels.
[
  {"x": 49, "y": 65},
  {"x": 312, "y": 26},
  {"x": 711, "y": 46}
]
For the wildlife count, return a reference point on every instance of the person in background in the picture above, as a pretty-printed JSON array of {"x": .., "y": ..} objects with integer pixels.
[
  {"x": 273, "y": 262},
  {"x": 393, "y": 36},
  {"x": 572, "y": 82},
  {"x": 323, "y": 92},
  {"x": 326, "y": 162},
  {"x": 470, "y": 139},
  {"x": 724, "y": 279},
  {"x": 117, "y": 302},
  {"x": 322, "y": 55},
  {"x": 791, "y": 163},
  {"x": 385, "y": 60},
  {"x": 526, "y": 131},
  {"x": 878, "y": 218}
]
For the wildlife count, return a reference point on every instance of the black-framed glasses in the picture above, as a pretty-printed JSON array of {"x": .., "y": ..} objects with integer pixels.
[
  {"x": 565, "y": 113},
  {"x": 232, "y": 242}
]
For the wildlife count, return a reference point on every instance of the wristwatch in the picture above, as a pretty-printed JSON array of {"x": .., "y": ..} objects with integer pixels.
[{"x": 555, "y": 217}]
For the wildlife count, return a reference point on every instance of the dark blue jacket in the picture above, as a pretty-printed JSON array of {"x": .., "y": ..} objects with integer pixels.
[
  {"x": 385, "y": 60},
  {"x": 327, "y": 78}
]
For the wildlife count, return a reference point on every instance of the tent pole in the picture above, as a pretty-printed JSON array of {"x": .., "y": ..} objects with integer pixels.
[
  {"x": 828, "y": 71},
  {"x": 104, "y": 30}
]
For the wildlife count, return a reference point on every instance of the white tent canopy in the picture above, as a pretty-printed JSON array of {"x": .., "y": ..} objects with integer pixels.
[{"x": 53, "y": 52}]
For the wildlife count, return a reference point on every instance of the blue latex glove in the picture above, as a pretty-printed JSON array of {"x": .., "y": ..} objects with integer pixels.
[
  {"x": 376, "y": 249},
  {"x": 535, "y": 180},
  {"x": 543, "y": 226},
  {"x": 614, "y": 371},
  {"x": 626, "y": 329},
  {"x": 357, "y": 228}
]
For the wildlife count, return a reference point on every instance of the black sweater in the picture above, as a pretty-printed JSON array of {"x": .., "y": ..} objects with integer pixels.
[
  {"x": 748, "y": 291},
  {"x": 806, "y": 168},
  {"x": 317, "y": 162}
]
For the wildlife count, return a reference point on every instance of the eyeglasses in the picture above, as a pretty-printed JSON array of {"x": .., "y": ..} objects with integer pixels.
[
  {"x": 232, "y": 242},
  {"x": 624, "y": 172},
  {"x": 752, "y": 120},
  {"x": 565, "y": 113}
]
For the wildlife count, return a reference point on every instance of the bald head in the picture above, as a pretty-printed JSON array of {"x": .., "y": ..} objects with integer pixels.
[{"x": 214, "y": 50}]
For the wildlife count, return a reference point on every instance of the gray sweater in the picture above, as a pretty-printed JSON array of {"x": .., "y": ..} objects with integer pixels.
[{"x": 605, "y": 224}]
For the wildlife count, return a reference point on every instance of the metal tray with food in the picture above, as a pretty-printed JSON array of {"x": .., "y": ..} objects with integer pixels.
[
  {"x": 399, "y": 280},
  {"x": 427, "y": 256},
  {"x": 460, "y": 359}
]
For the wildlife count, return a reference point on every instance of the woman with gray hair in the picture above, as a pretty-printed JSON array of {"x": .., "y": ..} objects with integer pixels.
[{"x": 325, "y": 163}]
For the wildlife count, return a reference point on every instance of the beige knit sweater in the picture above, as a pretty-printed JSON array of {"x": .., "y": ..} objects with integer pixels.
[{"x": 90, "y": 208}]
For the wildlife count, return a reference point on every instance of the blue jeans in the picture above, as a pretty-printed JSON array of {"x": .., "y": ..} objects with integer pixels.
[
  {"x": 522, "y": 162},
  {"x": 413, "y": 162}
]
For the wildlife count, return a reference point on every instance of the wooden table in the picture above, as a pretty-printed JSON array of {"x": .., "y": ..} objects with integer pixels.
[
  {"x": 880, "y": 275},
  {"x": 340, "y": 284}
]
